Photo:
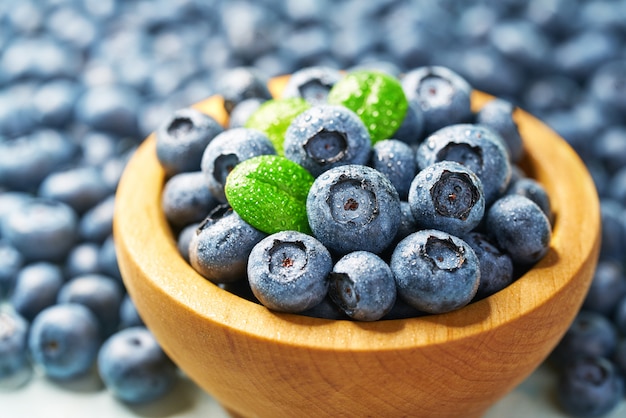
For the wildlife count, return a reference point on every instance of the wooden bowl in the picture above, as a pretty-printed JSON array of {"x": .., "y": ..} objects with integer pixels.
[{"x": 257, "y": 363}]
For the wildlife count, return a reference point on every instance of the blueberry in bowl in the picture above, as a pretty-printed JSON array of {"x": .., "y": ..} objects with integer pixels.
[{"x": 258, "y": 362}]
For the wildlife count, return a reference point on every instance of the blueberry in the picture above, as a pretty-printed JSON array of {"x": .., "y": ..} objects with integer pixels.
[
  {"x": 522, "y": 42},
  {"x": 607, "y": 288},
  {"x": 435, "y": 272},
  {"x": 519, "y": 227},
  {"x": 497, "y": 114},
  {"x": 41, "y": 229},
  {"x": 11, "y": 261},
  {"x": 326, "y": 309},
  {"x": 82, "y": 259},
  {"x": 134, "y": 368},
  {"x": 327, "y": 136},
  {"x": 613, "y": 229},
  {"x": 129, "y": 316},
  {"x": 184, "y": 238},
  {"x": 181, "y": 140},
  {"x": 64, "y": 341},
  {"x": 288, "y": 271},
  {"x": 619, "y": 357},
  {"x": 412, "y": 127},
  {"x": 496, "y": 267},
  {"x": 477, "y": 147},
  {"x": 580, "y": 55},
  {"x": 186, "y": 198},
  {"x": 220, "y": 247},
  {"x": 442, "y": 95},
  {"x": 240, "y": 113},
  {"x": 607, "y": 84},
  {"x": 589, "y": 387},
  {"x": 363, "y": 286},
  {"x": 242, "y": 83},
  {"x": 228, "y": 149},
  {"x": 447, "y": 196},
  {"x": 550, "y": 93},
  {"x": 312, "y": 83},
  {"x": 590, "y": 334},
  {"x": 96, "y": 224},
  {"x": 54, "y": 102},
  {"x": 352, "y": 208},
  {"x": 13, "y": 345},
  {"x": 610, "y": 148},
  {"x": 36, "y": 288},
  {"x": 619, "y": 315},
  {"x": 616, "y": 189},
  {"x": 533, "y": 190},
  {"x": 80, "y": 187},
  {"x": 101, "y": 294},
  {"x": 396, "y": 160},
  {"x": 107, "y": 259}
]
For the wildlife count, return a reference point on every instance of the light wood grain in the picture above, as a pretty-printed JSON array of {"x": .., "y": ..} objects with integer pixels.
[{"x": 259, "y": 363}]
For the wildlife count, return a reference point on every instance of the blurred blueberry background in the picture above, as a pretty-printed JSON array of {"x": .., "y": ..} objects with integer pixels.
[{"x": 83, "y": 82}]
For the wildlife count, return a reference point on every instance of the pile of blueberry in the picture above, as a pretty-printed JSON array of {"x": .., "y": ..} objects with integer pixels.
[{"x": 82, "y": 82}]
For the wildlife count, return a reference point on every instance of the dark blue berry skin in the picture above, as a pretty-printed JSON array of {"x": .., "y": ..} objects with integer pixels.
[
  {"x": 477, "y": 147},
  {"x": 619, "y": 315},
  {"x": 520, "y": 228},
  {"x": 363, "y": 286},
  {"x": 181, "y": 140},
  {"x": 619, "y": 357},
  {"x": 241, "y": 113},
  {"x": 96, "y": 224},
  {"x": 312, "y": 84},
  {"x": 54, "y": 102},
  {"x": 610, "y": 148},
  {"x": 550, "y": 93},
  {"x": 64, "y": 340},
  {"x": 110, "y": 108},
  {"x": 607, "y": 288},
  {"x": 80, "y": 187},
  {"x": 533, "y": 190},
  {"x": 241, "y": 83},
  {"x": 435, "y": 272},
  {"x": 107, "y": 259},
  {"x": 442, "y": 95},
  {"x": 590, "y": 334},
  {"x": 447, "y": 196},
  {"x": 228, "y": 149},
  {"x": 129, "y": 316},
  {"x": 288, "y": 271},
  {"x": 522, "y": 42},
  {"x": 13, "y": 344},
  {"x": 327, "y": 136},
  {"x": 497, "y": 114},
  {"x": 36, "y": 288},
  {"x": 411, "y": 129},
  {"x": 580, "y": 55},
  {"x": 11, "y": 261},
  {"x": 41, "y": 229},
  {"x": 326, "y": 309},
  {"x": 396, "y": 160},
  {"x": 616, "y": 189},
  {"x": 613, "y": 229},
  {"x": 353, "y": 207},
  {"x": 82, "y": 259},
  {"x": 184, "y": 238},
  {"x": 134, "y": 368},
  {"x": 607, "y": 85},
  {"x": 220, "y": 248},
  {"x": 186, "y": 198},
  {"x": 496, "y": 267},
  {"x": 101, "y": 294},
  {"x": 589, "y": 387}
]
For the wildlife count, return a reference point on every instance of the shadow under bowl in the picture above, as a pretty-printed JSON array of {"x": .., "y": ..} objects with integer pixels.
[{"x": 256, "y": 362}]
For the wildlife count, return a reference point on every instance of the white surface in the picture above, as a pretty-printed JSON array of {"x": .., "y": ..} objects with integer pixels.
[{"x": 87, "y": 397}]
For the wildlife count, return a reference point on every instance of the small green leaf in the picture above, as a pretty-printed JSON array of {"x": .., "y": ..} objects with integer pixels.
[
  {"x": 376, "y": 97},
  {"x": 274, "y": 117},
  {"x": 269, "y": 192}
]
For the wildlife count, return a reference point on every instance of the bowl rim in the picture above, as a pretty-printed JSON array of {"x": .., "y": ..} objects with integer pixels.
[{"x": 146, "y": 243}]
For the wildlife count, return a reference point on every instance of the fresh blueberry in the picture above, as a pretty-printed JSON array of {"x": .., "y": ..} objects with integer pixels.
[
  {"x": 412, "y": 127},
  {"x": 101, "y": 294},
  {"x": 96, "y": 224},
  {"x": 610, "y": 148},
  {"x": 186, "y": 198},
  {"x": 607, "y": 288},
  {"x": 228, "y": 149},
  {"x": 134, "y": 368},
  {"x": 607, "y": 85},
  {"x": 442, "y": 95},
  {"x": 353, "y": 207},
  {"x": 580, "y": 55},
  {"x": 241, "y": 113},
  {"x": 312, "y": 84},
  {"x": 475, "y": 146},
  {"x": 497, "y": 114},
  {"x": 79, "y": 187},
  {"x": 589, "y": 387},
  {"x": 619, "y": 316},
  {"x": 64, "y": 341},
  {"x": 363, "y": 286},
  {"x": 13, "y": 345},
  {"x": 616, "y": 189},
  {"x": 288, "y": 271},
  {"x": 129, "y": 316},
  {"x": 326, "y": 309},
  {"x": 519, "y": 227},
  {"x": 41, "y": 229},
  {"x": 36, "y": 288},
  {"x": 327, "y": 136},
  {"x": 496, "y": 267},
  {"x": 532, "y": 189},
  {"x": 613, "y": 227},
  {"x": 553, "y": 92},
  {"x": 590, "y": 334},
  {"x": 396, "y": 160},
  {"x": 83, "y": 259},
  {"x": 220, "y": 247},
  {"x": 447, "y": 196},
  {"x": 11, "y": 261},
  {"x": 241, "y": 83},
  {"x": 522, "y": 42},
  {"x": 54, "y": 102},
  {"x": 181, "y": 140},
  {"x": 184, "y": 238},
  {"x": 107, "y": 259},
  {"x": 18, "y": 115},
  {"x": 435, "y": 272}
]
